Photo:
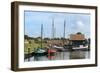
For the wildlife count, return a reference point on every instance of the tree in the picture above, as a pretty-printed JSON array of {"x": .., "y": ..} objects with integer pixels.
[
  {"x": 26, "y": 37},
  {"x": 78, "y": 33},
  {"x": 89, "y": 40},
  {"x": 46, "y": 38},
  {"x": 62, "y": 38}
]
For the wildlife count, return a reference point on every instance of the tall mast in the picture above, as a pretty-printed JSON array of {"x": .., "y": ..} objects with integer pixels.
[
  {"x": 41, "y": 35},
  {"x": 64, "y": 32},
  {"x": 52, "y": 32},
  {"x": 53, "y": 29}
]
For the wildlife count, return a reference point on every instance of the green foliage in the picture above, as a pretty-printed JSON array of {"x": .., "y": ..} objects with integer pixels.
[
  {"x": 78, "y": 33},
  {"x": 33, "y": 45}
]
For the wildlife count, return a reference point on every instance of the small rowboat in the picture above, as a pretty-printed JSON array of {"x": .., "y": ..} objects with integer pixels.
[
  {"x": 51, "y": 51},
  {"x": 40, "y": 51}
]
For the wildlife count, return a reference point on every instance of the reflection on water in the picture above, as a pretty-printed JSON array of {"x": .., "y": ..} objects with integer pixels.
[{"x": 61, "y": 56}]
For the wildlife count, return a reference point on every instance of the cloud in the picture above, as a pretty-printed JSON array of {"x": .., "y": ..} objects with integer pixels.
[{"x": 80, "y": 24}]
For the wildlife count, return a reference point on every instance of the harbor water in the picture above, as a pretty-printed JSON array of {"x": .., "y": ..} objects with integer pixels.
[{"x": 61, "y": 56}]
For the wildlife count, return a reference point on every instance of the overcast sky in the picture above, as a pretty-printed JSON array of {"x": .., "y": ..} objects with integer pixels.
[{"x": 75, "y": 22}]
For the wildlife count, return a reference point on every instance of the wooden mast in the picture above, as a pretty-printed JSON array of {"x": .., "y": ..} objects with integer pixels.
[
  {"x": 64, "y": 32},
  {"x": 41, "y": 35},
  {"x": 52, "y": 32},
  {"x": 53, "y": 29}
]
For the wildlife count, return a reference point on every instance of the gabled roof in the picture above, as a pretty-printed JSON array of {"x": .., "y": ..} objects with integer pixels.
[{"x": 77, "y": 37}]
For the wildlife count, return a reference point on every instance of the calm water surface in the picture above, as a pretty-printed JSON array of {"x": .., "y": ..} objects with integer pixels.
[{"x": 61, "y": 56}]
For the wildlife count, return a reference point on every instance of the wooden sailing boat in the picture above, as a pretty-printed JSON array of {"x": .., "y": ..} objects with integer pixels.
[
  {"x": 40, "y": 51},
  {"x": 51, "y": 50},
  {"x": 61, "y": 48}
]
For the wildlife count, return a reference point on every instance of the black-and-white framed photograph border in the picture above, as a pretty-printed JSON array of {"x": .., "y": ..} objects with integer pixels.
[{"x": 52, "y": 36}]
